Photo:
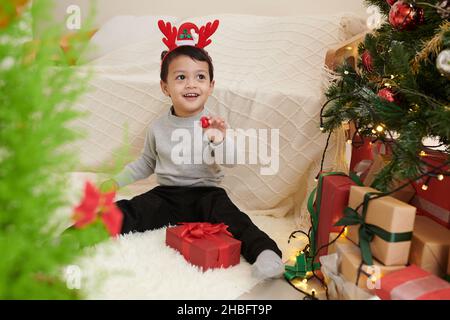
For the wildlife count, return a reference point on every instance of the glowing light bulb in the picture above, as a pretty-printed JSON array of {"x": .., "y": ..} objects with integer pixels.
[
  {"x": 392, "y": 76},
  {"x": 322, "y": 128},
  {"x": 346, "y": 72},
  {"x": 349, "y": 141},
  {"x": 349, "y": 48},
  {"x": 440, "y": 177},
  {"x": 374, "y": 131},
  {"x": 424, "y": 187},
  {"x": 304, "y": 281},
  {"x": 422, "y": 153},
  {"x": 380, "y": 128}
]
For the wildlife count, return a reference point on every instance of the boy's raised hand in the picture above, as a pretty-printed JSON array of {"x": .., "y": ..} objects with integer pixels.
[{"x": 216, "y": 129}]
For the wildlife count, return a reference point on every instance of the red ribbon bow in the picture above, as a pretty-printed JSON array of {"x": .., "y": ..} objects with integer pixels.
[{"x": 202, "y": 229}]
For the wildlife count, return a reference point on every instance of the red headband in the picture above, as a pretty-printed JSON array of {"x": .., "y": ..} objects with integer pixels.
[{"x": 183, "y": 37}]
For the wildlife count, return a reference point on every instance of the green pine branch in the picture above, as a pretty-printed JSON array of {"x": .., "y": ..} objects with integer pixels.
[{"x": 421, "y": 106}]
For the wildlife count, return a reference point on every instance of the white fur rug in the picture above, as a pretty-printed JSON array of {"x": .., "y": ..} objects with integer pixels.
[{"x": 140, "y": 266}]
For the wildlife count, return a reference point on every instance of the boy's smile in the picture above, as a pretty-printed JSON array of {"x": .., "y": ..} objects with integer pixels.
[{"x": 188, "y": 85}]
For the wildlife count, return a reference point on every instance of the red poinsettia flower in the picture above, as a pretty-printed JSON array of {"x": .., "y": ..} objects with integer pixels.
[
  {"x": 112, "y": 217},
  {"x": 95, "y": 204}
]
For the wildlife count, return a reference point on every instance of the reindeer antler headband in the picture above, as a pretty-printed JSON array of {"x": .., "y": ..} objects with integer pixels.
[{"x": 183, "y": 36}]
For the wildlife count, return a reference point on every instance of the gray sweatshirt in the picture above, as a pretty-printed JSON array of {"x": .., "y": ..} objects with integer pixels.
[{"x": 176, "y": 150}]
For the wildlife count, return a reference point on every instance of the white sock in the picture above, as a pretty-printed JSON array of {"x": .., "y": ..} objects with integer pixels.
[{"x": 267, "y": 265}]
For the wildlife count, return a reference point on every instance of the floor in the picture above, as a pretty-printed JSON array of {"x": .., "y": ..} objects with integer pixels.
[{"x": 280, "y": 289}]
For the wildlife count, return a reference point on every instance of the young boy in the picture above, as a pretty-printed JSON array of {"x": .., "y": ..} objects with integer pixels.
[{"x": 188, "y": 191}]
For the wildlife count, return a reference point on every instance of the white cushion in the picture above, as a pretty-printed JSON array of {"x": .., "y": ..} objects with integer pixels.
[{"x": 121, "y": 31}]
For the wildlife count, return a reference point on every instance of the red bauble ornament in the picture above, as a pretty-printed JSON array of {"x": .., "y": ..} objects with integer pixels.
[
  {"x": 386, "y": 94},
  {"x": 205, "y": 122},
  {"x": 405, "y": 16},
  {"x": 391, "y": 2},
  {"x": 367, "y": 61}
]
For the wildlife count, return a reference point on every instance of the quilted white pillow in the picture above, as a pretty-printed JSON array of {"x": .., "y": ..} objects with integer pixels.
[
  {"x": 269, "y": 75},
  {"x": 121, "y": 31}
]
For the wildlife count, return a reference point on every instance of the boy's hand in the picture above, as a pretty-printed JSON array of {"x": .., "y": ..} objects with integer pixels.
[
  {"x": 216, "y": 130},
  {"x": 109, "y": 186}
]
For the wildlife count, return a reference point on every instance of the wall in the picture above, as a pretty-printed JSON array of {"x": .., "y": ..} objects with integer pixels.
[{"x": 108, "y": 8}]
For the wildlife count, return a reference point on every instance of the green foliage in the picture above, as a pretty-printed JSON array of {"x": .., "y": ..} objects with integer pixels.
[
  {"x": 422, "y": 94},
  {"x": 36, "y": 108}
]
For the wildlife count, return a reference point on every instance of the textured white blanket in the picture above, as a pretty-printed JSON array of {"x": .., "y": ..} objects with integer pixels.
[{"x": 140, "y": 266}]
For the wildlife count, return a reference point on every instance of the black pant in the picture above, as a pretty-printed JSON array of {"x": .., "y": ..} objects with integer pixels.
[{"x": 166, "y": 205}]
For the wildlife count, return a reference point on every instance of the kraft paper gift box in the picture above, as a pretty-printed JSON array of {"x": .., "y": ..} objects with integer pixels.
[
  {"x": 341, "y": 244},
  {"x": 413, "y": 283},
  {"x": 379, "y": 162},
  {"x": 430, "y": 246},
  {"x": 394, "y": 217},
  {"x": 338, "y": 287},
  {"x": 205, "y": 245},
  {"x": 350, "y": 261},
  {"x": 349, "y": 267}
]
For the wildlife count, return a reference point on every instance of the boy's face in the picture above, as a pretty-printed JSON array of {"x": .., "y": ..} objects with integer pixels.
[{"x": 188, "y": 85}]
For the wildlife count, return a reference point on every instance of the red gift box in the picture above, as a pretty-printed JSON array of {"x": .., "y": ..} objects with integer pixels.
[
  {"x": 413, "y": 283},
  {"x": 363, "y": 153},
  {"x": 204, "y": 244},
  {"x": 434, "y": 202},
  {"x": 332, "y": 194}
]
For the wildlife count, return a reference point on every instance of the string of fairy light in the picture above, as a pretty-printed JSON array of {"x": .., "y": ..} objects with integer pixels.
[{"x": 380, "y": 130}]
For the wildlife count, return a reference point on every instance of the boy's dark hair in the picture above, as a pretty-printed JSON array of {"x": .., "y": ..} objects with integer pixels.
[{"x": 190, "y": 51}]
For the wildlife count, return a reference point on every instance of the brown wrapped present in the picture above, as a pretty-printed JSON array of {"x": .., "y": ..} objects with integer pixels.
[
  {"x": 430, "y": 246},
  {"x": 389, "y": 220},
  {"x": 341, "y": 244},
  {"x": 350, "y": 260},
  {"x": 369, "y": 276},
  {"x": 379, "y": 162}
]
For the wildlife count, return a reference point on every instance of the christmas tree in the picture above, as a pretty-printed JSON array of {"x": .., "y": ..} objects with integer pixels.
[
  {"x": 400, "y": 92},
  {"x": 37, "y": 92}
]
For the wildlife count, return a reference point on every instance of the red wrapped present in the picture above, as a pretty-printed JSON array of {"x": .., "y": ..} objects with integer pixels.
[
  {"x": 333, "y": 190},
  {"x": 434, "y": 201},
  {"x": 413, "y": 283},
  {"x": 204, "y": 244},
  {"x": 364, "y": 153},
  {"x": 362, "y": 157}
]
